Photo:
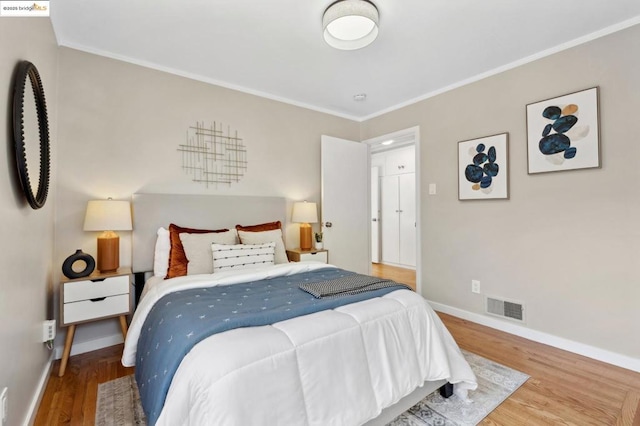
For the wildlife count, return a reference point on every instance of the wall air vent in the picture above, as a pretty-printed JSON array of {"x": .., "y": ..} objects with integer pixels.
[{"x": 504, "y": 308}]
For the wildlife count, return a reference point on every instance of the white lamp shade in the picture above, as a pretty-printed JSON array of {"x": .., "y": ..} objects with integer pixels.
[
  {"x": 108, "y": 215},
  {"x": 350, "y": 24},
  {"x": 304, "y": 212}
]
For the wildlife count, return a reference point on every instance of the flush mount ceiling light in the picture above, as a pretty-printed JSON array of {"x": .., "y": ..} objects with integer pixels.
[{"x": 350, "y": 24}]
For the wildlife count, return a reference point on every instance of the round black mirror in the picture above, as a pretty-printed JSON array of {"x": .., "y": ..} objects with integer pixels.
[{"x": 29, "y": 120}]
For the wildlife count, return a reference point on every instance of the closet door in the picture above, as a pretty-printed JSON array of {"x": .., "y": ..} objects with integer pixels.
[
  {"x": 390, "y": 219},
  {"x": 407, "y": 203},
  {"x": 375, "y": 214},
  {"x": 400, "y": 161}
]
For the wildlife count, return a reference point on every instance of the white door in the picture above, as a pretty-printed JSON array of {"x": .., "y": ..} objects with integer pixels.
[
  {"x": 398, "y": 219},
  {"x": 407, "y": 190},
  {"x": 375, "y": 214},
  {"x": 345, "y": 203},
  {"x": 390, "y": 218}
]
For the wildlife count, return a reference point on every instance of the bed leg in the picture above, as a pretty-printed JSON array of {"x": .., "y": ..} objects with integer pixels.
[
  {"x": 446, "y": 390},
  {"x": 138, "y": 283}
]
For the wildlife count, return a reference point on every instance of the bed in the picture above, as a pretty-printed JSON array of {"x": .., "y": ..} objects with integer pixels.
[{"x": 361, "y": 358}]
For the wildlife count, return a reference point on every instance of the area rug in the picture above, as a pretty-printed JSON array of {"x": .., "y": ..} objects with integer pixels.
[
  {"x": 495, "y": 384},
  {"x": 119, "y": 401}
]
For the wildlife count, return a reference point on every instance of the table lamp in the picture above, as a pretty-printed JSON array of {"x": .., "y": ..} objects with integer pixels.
[
  {"x": 305, "y": 213},
  {"x": 108, "y": 216}
]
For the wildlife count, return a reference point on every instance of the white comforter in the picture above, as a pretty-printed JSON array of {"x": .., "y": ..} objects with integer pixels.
[{"x": 335, "y": 367}]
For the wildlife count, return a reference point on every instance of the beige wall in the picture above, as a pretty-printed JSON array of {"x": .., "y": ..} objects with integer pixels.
[
  {"x": 566, "y": 244},
  {"x": 120, "y": 127},
  {"x": 27, "y": 235}
]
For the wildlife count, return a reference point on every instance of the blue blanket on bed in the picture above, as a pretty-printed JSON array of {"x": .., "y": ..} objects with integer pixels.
[{"x": 180, "y": 320}]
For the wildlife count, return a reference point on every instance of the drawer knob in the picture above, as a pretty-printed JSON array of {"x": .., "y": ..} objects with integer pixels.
[{"x": 98, "y": 299}]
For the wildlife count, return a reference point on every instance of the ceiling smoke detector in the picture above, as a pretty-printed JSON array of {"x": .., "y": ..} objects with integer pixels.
[{"x": 360, "y": 97}]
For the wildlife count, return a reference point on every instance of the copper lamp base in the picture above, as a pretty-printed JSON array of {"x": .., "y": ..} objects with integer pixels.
[
  {"x": 108, "y": 251},
  {"x": 305, "y": 236}
]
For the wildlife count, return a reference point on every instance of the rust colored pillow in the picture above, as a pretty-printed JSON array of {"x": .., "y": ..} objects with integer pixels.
[
  {"x": 269, "y": 226},
  {"x": 177, "y": 258}
]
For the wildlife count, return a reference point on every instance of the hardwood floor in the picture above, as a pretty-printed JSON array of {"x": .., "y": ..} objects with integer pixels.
[
  {"x": 564, "y": 388},
  {"x": 401, "y": 275},
  {"x": 71, "y": 399}
]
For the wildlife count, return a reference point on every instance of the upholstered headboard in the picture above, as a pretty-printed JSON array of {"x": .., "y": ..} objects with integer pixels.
[{"x": 152, "y": 211}]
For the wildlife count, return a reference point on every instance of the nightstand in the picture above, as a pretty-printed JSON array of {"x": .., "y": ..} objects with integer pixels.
[
  {"x": 96, "y": 297},
  {"x": 299, "y": 255}
]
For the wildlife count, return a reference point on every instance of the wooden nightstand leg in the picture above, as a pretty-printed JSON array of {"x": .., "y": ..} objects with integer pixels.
[
  {"x": 123, "y": 326},
  {"x": 67, "y": 349}
]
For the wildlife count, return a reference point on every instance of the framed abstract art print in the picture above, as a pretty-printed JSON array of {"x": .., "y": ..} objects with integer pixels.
[
  {"x": 483, "y": 169},
  {"x": 563, "y": 133}
]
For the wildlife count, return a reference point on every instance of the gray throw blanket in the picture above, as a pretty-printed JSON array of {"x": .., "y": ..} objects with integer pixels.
[{"x": 351, "y": 284}]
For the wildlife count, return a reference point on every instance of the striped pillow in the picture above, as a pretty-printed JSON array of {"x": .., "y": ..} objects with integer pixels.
[{"x": 239, "y": 256}]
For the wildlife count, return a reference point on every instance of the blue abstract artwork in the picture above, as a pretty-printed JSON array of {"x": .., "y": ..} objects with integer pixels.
[
  {"x": 483, "y": 168},
  {"x": 563, "y": 132}
]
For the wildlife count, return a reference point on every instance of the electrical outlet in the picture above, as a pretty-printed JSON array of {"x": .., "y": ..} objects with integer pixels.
[
  {"x": 475, "y": 286},
  {"x": 48, "y": 330},
  {"x": 3, "y": 406}
]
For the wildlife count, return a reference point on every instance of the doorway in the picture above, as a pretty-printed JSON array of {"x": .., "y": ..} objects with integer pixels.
[{"x": 395, "y": 196}]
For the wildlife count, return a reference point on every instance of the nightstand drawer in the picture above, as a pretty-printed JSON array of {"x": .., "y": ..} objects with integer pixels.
[
  {"x": 84, "y": 290},
  {"x": 96, "y": 309},
  {"x": 314, "y": 257}
]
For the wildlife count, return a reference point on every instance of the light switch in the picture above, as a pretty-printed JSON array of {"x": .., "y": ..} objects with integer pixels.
[{"x": 432, "y": 189}]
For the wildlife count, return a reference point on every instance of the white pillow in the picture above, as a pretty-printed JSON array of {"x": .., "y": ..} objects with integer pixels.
[
  {"x": 161, "y": 254},
  {"x": 197, "y": 248},
  {"x": 239, "y": 256},
  {"x": 274, "y": 236}
]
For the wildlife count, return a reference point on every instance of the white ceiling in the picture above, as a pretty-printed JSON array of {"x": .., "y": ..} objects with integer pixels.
[{"x": 274, "y": 48}]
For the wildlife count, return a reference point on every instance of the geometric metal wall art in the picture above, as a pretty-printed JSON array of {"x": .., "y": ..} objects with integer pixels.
[{"x": 212, "y": 156}]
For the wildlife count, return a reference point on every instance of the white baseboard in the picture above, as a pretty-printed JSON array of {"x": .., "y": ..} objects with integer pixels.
[
  {"x": 37, "y": 396},
  {"x": 599, "y": 354},
  {"x": 79, "y": 348},
  {"x": 91, "y": 345}
]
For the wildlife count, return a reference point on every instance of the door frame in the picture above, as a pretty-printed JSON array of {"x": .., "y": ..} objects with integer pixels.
[{"x": 415, "y": 131}]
